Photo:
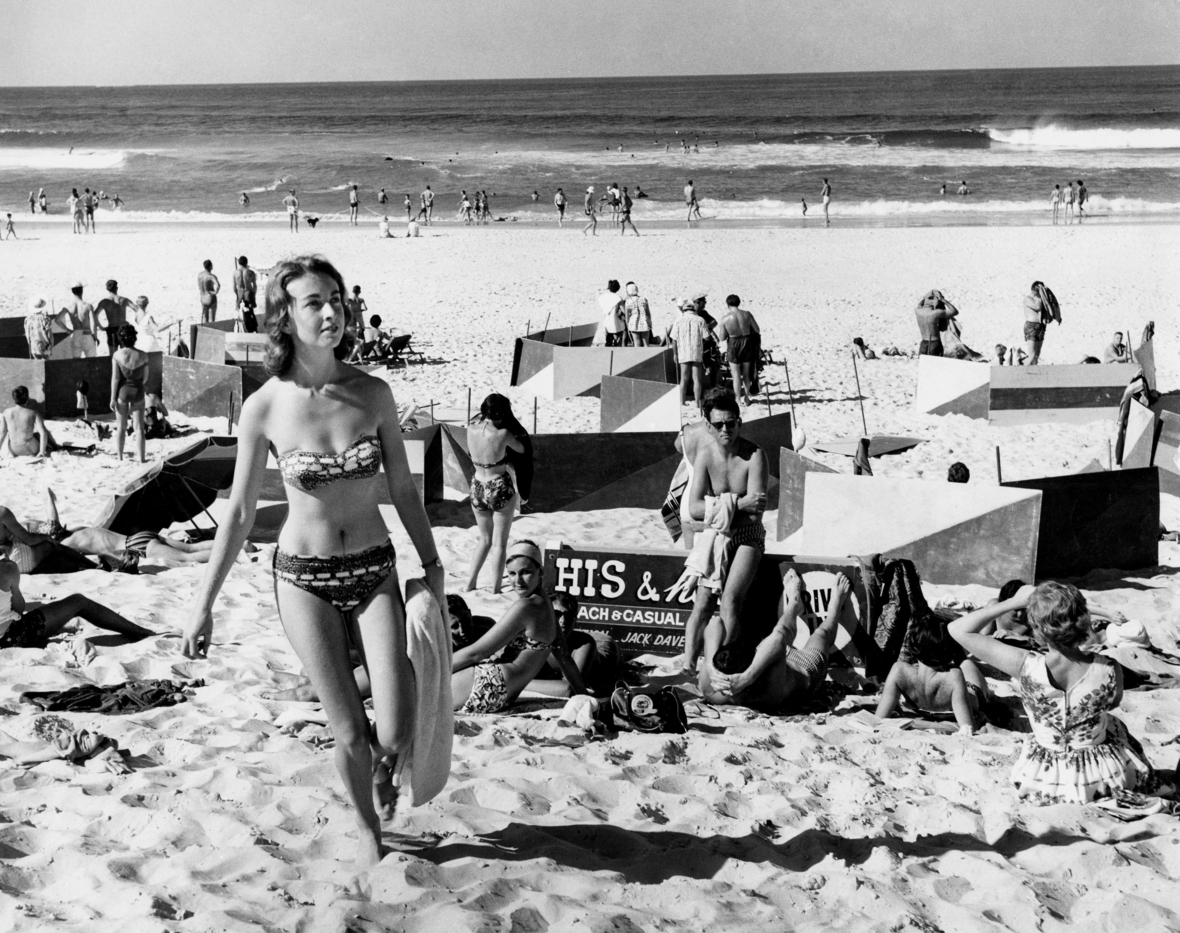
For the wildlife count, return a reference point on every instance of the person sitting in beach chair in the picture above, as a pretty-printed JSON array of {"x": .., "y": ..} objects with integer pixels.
[
  {"x": 376, "y": 340},
  {"x": 31, "y": 624},
  {"x": 773, "y": 676},
  {"x": 728, "y": 493},
  {"x": 934, "y": 678}
]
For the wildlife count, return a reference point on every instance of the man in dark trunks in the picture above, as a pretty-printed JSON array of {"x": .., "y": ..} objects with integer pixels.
[
  {"x": 113, "y": 310},
  {"x": 933, "y": 314},
  {"x": 733, "y": 474},
  {"x": 744, "y": 347}
]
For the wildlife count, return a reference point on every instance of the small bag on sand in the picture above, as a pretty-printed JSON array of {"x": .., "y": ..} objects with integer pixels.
[{"x": 648, "y": 709}]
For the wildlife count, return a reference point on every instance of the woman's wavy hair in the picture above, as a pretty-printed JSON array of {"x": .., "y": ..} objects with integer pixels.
[
  {"x": 126, "y": 335},
  {"x": 281, "y": 352},
  {"x": 1059, "y": 615},
  {"x": 927, "y": 640}
]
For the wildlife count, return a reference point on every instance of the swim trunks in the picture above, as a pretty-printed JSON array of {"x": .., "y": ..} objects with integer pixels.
[
  {"x": 28, "y": 631},
  {"x": 811, "y": 663},
  {"x": 1033, "y": 330},
  {"x": 930, "y": 348},
  {"x": 744, "y": 349},
  {"x": 489, "y": 690},
  {"x": 492, "y": 495}
]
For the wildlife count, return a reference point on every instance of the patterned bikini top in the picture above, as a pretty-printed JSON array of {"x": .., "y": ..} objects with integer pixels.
[
  {"x": 306, "y": 469},
  {"x": 523, "y": 642}
]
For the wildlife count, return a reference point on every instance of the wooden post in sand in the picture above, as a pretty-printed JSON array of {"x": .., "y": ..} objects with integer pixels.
[
  {"x": 790, "y": 394},
  {"x": 999, "y": 472},
  {"x": 1109, "y": 455},
  {"x": 611, "y": 371},
  {"x": 432, "y": 411},
  {"x": 534, "y": 415},
  {"x": 570, "y": 340},
  {"x": 229, "y": 418},
  {"x": 469, "y": 405},
  {"x": 527, "y": 325},
  {"x": 546, "y": 330},
  {"x": 860, "y": 398}
]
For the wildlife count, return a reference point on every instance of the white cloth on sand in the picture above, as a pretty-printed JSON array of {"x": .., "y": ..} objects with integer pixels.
[{"x": 426, "y": 767}]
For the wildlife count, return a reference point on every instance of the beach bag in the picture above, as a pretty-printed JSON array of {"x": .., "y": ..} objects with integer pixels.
[{"x": 648, "y": 709}]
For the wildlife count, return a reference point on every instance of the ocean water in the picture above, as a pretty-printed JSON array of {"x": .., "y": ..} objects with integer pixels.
[{"x": 756, "y": 145}]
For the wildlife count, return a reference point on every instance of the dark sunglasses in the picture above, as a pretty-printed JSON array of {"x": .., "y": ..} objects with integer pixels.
[{"x": 722, "y": 425}]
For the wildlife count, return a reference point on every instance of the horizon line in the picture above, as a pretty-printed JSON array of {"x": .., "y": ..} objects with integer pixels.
[{"x": 638, "y": 77}]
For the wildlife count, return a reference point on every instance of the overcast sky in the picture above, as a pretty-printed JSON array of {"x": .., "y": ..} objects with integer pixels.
[{"x": 83, "y": 42}]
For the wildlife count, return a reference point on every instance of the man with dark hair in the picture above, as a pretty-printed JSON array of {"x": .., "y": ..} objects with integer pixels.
[
  {"x": 744, "y": 347},
  {"x": 728, "y": 493},
  {"x": 208, "y": 286},
  {"x": 1117, "y": 352},
  {"x": 958, "y": 473},
  {"x": 113, "y": 310},
  {"x": 23, "y": 428},
  {"x": 773, "y": 676},
  {"x": 245, "y": 295}
]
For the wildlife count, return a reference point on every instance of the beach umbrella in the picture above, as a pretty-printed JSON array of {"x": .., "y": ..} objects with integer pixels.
[{"x": 173, "y": 489}]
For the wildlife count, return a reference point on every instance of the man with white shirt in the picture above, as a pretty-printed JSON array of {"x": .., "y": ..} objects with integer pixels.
[{"x": 614, "y": 321}]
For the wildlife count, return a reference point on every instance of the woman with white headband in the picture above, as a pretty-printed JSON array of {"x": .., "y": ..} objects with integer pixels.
[{"x": 491, "y": 673}]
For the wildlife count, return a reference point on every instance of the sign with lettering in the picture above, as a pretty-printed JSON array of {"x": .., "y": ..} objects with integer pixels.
[{"x": 642, "y": 598}]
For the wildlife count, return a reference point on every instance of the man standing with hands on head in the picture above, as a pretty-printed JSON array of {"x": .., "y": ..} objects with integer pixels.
[
  {"x": 78, "y": 317},
  {"x": 933, "y": 313}
]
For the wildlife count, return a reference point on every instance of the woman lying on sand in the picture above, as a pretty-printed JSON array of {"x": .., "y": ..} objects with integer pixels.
[
  {"x": 1078, "y": 750},
  {"x": 332, "y": 428},
  {"x": 31, "y": 625},
  {"x": 934, "y": 677},
  {"x": 491, "y": 673}
]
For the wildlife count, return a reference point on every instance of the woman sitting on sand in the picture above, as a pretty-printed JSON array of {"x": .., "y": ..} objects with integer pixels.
[
  {"x": 493, "y": 493},
  {"x": 129, "y": 372},
  {"x": 934, "y": 678},
  {"x": 332, "y": 428},
  {"x": 1078, "y": 751},
  {"x": 491, "y": 673}
]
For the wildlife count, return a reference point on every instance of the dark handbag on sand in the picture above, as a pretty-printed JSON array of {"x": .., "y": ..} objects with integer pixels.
[{"x": 648, "y": 709}]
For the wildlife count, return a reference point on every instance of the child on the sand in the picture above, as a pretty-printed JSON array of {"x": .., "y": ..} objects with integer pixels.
[
  {"x": 934, "y": 678},
  {"x": 1078, "y": 751}
]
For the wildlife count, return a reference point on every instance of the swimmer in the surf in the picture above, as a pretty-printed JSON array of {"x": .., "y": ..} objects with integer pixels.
[{"x": 804, "y": 200}]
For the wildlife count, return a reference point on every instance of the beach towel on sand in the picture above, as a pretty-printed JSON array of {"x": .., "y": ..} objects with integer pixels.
[
  {"x": 427, "y": 765},
  {"x": 130, "y": 697}
]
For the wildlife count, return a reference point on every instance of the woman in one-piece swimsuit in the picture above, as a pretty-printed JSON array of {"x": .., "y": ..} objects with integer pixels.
[
  {"x": 129, "y": 371},
  {"x": 332, "y": 429},
  {"x": 491, "y": 673},
  {"x": 493, "y": 493}
]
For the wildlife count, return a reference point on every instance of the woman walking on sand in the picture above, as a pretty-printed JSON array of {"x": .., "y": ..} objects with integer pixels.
[
  {"x": 493, "y": 491},
  {"x": 332, "y": 428},
  {"x": 129, "y": 371}
]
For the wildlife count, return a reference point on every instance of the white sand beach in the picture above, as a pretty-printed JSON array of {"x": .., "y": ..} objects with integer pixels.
[{"x": 230, "y": 821}]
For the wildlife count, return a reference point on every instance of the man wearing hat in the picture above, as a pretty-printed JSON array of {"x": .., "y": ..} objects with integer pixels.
[
  {"x": 77, "y": 316},
  {"x": 39, "y": 329},
  {"x": 689, "y": 335},
  {"x": 113, "y": 308},
  {"x": 591, "y": 212}
]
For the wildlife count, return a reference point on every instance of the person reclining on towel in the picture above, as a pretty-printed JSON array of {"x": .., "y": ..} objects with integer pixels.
[
  {"x": 774, "y": 676},
  {"x": 728, "y": 493},
  {"x": 34, "y": 552},
  {"x": 31, "y": 625}
]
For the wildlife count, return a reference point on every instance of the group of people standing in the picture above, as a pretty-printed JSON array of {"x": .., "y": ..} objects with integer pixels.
[
  {"x": 1063, "y": 201},
  {"x": 938, "y": 324}
]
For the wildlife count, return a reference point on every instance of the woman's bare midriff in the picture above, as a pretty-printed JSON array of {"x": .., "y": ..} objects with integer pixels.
[{"x": 338, "y": 519}]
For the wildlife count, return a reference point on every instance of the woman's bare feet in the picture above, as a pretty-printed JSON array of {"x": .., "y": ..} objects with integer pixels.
[
  {"x": 369, "y": 850},
  {"x": 384, "y": 790}
]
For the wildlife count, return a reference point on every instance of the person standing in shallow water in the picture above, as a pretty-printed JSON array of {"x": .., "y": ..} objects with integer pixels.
[{"x": 335, "y": 575}]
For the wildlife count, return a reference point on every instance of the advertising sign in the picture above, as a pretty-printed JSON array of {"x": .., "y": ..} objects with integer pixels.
[{"x": 643, "y": 599}]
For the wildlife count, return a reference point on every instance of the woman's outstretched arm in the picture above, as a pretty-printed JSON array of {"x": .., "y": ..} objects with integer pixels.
[{"x": 232, "y": 532}]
